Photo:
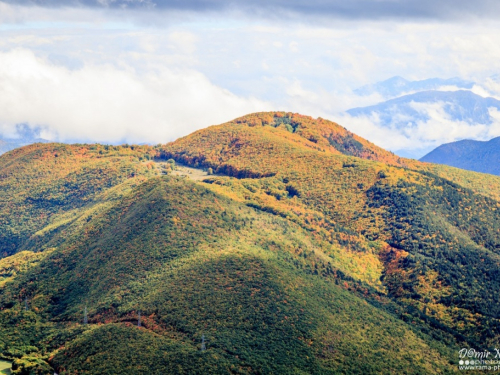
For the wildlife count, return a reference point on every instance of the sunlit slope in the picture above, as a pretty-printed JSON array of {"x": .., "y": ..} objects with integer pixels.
[
  {"x": 283, "y": 132},
  {"x": 41, "y": 181},
  {"x": 305, "y": 250},
  {"x": 276, "y": 134},
  {"x": 438, "y": 240},
  {"x": 194, "y": 262},
  {"x": 482, "y": 183}
]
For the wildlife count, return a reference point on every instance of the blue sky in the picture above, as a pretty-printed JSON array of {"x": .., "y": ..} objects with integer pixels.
[{"x": 150, "y": 72}]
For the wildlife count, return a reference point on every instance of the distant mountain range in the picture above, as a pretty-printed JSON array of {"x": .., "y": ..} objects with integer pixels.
[
  {"x": 408, "y": 112},
  {"x": 25, "y": 136},
  {"x": 11, "y": 144},
  {"x": 397, "y": 86},
  {"x": 459, "y": 105},
  {"x": 467, "y": 154}
]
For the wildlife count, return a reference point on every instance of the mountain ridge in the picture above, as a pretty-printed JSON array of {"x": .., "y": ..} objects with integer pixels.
[
  {"x": 24, "y": 135},
  {"x": 477, "y": 156},
  {"x": 460, "y": 105},
  {"x": 311, "y": 250},
  {"x": 397, "y": 86},
  {"x": 418, "y": 116}
]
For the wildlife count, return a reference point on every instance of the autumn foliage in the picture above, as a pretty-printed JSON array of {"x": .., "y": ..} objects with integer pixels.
[{"x": 306, "y": 249}]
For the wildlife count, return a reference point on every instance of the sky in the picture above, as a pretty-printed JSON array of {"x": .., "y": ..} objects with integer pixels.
[{"x": 151, "y": 71}]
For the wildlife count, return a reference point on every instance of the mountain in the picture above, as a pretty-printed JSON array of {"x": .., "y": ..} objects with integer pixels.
[
  {"x": 408, "y": 110},
  {"x": 8, "y": 144},
  {"x": 397, "y": 86},
  {"x": 286, "y": 243},
  {"x": 467, "y": 154},
  {"x": 424, "y": 112},
  {"x": 25, "y": 136}
]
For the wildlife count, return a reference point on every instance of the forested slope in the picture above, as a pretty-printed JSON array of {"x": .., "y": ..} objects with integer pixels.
[
  {"x": 310, "y": 250},
  {"x": 448, "y": 234},
  {"x": 42, "y": 181}
]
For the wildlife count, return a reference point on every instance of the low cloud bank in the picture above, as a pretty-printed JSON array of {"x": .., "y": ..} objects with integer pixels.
[
  {"x": 433, "y": 128},
  {"x": 104, "y": 103}
]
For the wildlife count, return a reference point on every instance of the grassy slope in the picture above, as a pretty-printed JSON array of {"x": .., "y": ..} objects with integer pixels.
[
  {"x": 481, "y": 183},
  {"x": 306, "y": 134},
  {"x": 5, "y": 367}
]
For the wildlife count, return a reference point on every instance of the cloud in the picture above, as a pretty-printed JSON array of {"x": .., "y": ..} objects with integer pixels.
[
  {"x": 353, "y": 9},
  {"x": 101, "y": 60},
  {"x": 488, "y": 87},
  {"x": 440, "y": 127},
  {"x": 369, "y": 127},
  {"x": 108, "y": 104},
  {"x": 433, "y": 127}
]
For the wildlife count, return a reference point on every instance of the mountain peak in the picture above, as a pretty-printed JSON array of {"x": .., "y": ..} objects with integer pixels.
[
  {"x": 287, "y": 128},
  {"x": 287, "y": 251},
  {"x": 478, "y": 156}
]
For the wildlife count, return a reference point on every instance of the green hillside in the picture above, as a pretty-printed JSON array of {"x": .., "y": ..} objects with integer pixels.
[
  {"x": 41, "y": 181},
  {"x": 447, "y": 234},
  {"x": 304, "y": 250}
]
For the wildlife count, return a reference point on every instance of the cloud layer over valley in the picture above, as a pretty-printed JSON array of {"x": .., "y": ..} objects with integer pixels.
[
  {"x": 151, "y": 71},
  {"x": 105, "y": 104}
]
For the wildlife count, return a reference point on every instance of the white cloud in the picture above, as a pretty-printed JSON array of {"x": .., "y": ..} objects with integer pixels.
[
  {"x": 184, "y": 41},
  {"x": 107, "y": 75},
  {"x": 294, "y": 47},
  {"x": 420, "y": 136},
  {"x": 370, "y": 128},
  {"x": 494, "y": 128},
  {"x": 488, "y": 87},
  {"x": 107, "y": 104},
  {"x": 440, "y": 127}
]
